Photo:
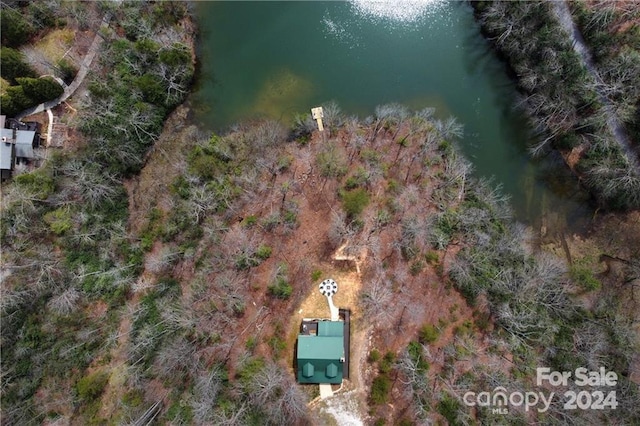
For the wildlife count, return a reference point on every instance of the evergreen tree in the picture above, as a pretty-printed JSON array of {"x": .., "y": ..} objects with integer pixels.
[
  {"x": 13, "y": 64},
  {"x": 40, "y": 89}
]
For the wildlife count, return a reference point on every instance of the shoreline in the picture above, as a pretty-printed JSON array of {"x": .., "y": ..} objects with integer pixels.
[{"x": 565, "y": 128}]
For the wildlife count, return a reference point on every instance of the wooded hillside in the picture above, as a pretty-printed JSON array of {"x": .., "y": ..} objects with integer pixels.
[{"x": 158, "y": 273}]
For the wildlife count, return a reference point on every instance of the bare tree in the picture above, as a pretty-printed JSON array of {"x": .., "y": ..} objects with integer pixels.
[
  {"x": 206, "y": 390},
  {"x": 241, "y": 246},
  {"x": 449, "y": 129},
  {"x": 616, "y": 182},
  {"x": 375, "y": 299},
  {"x": 161, "y": 260},
  {"x": 179, "y": 316},
  {"x": 525, "y": 323},
  {"x": 201, "y": 202},
  {"x": 89, "y": 183},
  {"x": 333, "y": 117},
  {"x": 356, "y": 143},
  {"x": 591, "y": 344},
  {"x": 272, "y": 390},
  {"x": 410, "y": 233},
  {"x": 231, "y": 416},
  {"x": 267, "y": 133},
  {"x": 412, "y": 374},
  {"x": 389, "y": 115},
  {"x": 332, "y": 161},
  {"x": 339, "y": 230},
  {"x": 65, "y": 302},
  {"x": 175, "y": 358}
]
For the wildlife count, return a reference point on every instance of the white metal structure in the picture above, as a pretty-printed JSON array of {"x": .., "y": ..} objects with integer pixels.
[{"x": 329, "y": 288}]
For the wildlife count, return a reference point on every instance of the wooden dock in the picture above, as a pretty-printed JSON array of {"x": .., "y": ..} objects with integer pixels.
[{"x": 317, "y": 115}]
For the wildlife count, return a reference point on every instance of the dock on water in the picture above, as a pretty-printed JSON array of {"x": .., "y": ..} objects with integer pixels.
[{"x": 317, "y": 115}]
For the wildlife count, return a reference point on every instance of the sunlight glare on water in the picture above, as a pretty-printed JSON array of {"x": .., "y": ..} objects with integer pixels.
[
  {"x": 398, "y": 11},
  {"x": 397, "y": 17}
]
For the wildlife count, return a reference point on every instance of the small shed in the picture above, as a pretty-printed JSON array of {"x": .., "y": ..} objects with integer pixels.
[{"x": 321, "y": 355}]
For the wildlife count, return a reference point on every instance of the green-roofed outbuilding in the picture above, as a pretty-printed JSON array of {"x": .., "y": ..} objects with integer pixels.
[{"x": 321, "y": 357}]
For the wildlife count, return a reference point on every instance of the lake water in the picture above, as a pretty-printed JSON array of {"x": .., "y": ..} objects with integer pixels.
[{"x": 275, "y": 59}]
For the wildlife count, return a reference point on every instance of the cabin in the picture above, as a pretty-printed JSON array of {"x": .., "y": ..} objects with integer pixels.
[
  {"x": 322, "y": 351},
  {"x": 321, "y": 355},
  {"x": 18, "y": 143}
]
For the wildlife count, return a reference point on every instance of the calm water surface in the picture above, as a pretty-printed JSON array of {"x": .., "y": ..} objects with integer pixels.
[{"x": 275, "y": 59}]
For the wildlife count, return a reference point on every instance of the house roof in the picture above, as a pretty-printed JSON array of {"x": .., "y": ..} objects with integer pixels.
[
  {"x": 7, "y": 135},
  {"x": 329, "y": 372},
  {"x": 320, "y": 348},
  {"x": 331, "y": 328},
  {"x": 6, "y": 156},
  {"x": 24, "y": 143},
  {"x": 320, "y": 358}
]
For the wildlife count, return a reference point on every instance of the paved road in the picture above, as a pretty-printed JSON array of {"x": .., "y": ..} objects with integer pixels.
[
  {"x": 617, "y": 130},
  {"x": 82, "y": 73}
]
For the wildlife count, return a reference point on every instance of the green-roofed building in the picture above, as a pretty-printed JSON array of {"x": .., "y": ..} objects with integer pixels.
[{"x": 321, "y": 354}]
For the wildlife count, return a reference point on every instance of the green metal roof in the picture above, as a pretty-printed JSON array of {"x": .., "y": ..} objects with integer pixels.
[
  {"x": 320, "y": 347},
  {"x": 320, "y": 371},
  {"x": 331, "y": 328},
  {"x": 319, "y": 357}
]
